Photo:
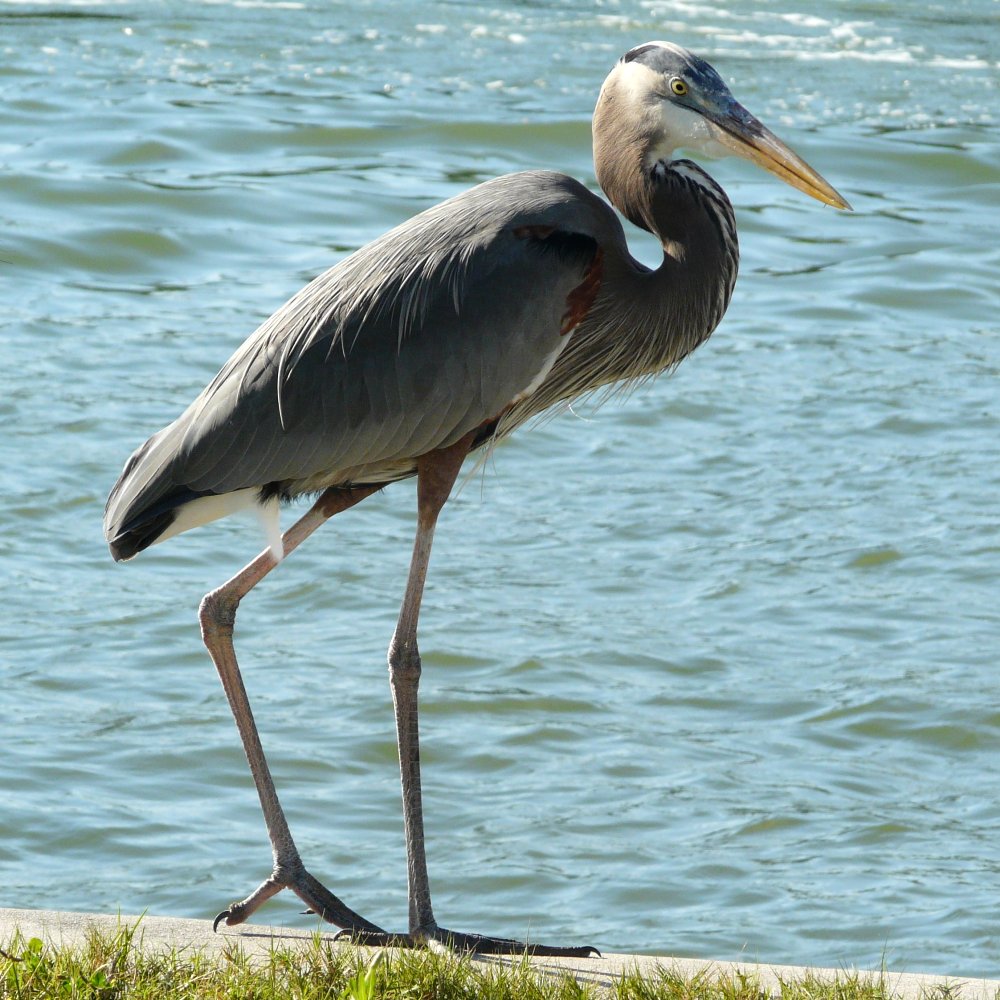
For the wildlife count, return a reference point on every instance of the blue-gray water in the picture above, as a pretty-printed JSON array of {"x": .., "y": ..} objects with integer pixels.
[{"x": 712, "y": 671}]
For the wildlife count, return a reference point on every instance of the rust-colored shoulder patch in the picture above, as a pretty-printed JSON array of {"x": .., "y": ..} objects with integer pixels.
[
  {"x": 571, "y": 246},
  {"x": 581, "y": 299}
]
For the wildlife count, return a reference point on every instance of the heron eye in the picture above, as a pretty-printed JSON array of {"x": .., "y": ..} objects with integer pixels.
[{"x": 679, "y": 87}]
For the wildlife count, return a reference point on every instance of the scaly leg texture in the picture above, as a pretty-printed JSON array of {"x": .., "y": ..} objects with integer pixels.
[
  {"x": 218, "y": 618},
  {"x": 436, "y": 474}
]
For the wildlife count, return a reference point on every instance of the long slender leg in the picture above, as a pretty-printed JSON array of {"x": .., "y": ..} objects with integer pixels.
[
  {"x": 436, "y": 474},
  {"x": 218, "y": 617}
]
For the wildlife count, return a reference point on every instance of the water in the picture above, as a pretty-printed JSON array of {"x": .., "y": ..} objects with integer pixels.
[{"x": 709, "y": 672}]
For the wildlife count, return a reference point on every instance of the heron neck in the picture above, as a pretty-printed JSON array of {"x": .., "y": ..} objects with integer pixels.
[
  {"x": 619, "y": 162},
  {"x": 645, "y": 320},
  {"x": 663, "y": 314}
]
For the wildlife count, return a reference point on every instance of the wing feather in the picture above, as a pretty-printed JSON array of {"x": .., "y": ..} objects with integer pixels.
[{"x": 404, "y": 347}]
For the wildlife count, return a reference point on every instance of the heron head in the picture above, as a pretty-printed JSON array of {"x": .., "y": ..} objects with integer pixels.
[{"x": 684, "y": 103}]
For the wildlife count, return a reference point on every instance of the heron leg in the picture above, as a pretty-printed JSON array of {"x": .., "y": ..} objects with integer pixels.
[
  {"x": 218, "y": 618},
  {"x": 436, "y": 474}
]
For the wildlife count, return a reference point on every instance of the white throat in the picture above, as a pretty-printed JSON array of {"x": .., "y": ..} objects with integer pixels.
[{"x": 687, "y": 130}]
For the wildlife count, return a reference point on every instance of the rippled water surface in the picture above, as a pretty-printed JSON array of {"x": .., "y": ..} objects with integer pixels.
[{"x": 711, "y": 671}]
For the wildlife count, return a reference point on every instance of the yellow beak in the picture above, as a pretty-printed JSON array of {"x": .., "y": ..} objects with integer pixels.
[{"x": 745, "y": 136}]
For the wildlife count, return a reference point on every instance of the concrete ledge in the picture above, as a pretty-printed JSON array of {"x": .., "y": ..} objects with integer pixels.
[{"x": 166, "y": 933}]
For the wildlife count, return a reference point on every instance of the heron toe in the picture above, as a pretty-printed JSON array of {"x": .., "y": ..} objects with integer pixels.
[
  {"x": 473, "y": 944},
  {"x": 310, "y": 890}
]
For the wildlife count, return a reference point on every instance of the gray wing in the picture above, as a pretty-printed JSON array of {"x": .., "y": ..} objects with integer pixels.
[{"x": 407, "y": 345}]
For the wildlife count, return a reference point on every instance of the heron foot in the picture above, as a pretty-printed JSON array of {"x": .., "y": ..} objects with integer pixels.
[
  {"x": 473, "y": 944},
  {"x": 313, "y": 893}
]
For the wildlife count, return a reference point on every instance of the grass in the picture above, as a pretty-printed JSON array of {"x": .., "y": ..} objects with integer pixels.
[{"x": 113, "y": 966}]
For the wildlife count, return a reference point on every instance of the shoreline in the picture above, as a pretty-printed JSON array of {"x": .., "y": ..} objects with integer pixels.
[{"x": 61, "y": 928}]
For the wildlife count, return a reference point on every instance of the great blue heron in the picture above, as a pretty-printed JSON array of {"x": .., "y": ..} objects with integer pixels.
[{"x": 440, "y": 337}]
